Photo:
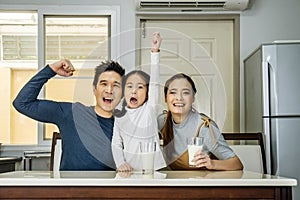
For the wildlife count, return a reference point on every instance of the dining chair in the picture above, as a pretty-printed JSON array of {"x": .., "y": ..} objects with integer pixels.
[
  {"x": 249, "y": 147},
  {"x": 55, "y": 152}
]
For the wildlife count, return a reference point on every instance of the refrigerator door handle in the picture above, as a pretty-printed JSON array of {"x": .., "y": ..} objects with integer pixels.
[
  {"x": 267, "y": 143},
  {"x": 270, "y": 106},
  {"x": 266, "y": 88},
  {"x": 266, "y": 111}
]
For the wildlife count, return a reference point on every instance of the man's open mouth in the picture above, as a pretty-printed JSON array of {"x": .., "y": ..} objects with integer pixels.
[{"x": 107, "y": 100}]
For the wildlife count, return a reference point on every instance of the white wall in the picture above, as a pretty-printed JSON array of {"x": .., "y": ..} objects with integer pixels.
[
  {"x": 269, "y": 20},
  {"x": 266, "y": 21}
]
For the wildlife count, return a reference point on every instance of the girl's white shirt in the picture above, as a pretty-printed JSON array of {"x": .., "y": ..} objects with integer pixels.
[{"x": 139, "y": 125}]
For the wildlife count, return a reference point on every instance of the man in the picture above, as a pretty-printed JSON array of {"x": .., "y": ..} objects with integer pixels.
[{"x": 86, "y": 131}]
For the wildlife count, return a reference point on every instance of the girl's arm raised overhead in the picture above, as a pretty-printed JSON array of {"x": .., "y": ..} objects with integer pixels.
[{"x": 154, "y": 76}]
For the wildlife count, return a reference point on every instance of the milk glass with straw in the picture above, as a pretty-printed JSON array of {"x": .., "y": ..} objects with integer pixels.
[
  {"x": 147, "y": 153},
  {"x": 194, "y": 144}
]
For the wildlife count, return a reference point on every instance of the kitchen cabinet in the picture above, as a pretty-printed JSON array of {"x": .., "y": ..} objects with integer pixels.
[{"x": 8, "y": 164}]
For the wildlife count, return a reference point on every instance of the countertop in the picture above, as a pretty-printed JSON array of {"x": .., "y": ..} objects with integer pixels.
[{"x": 161, "y": 178}]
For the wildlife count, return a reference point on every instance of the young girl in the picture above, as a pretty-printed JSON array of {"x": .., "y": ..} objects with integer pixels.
[{"x": 137, "y": 121}]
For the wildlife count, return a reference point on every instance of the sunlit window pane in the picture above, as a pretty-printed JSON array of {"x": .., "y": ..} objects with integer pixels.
[
  {"x": 18, "y": 36},
  {"x": 19, "y": 47},
  {"x": 76, "y": 38},
  {"x": 18, "y": 63}
]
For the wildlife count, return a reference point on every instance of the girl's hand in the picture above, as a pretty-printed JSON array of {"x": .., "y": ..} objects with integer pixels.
[
  {"x": 156, "y": 42},
  {"x": 125, "y": 167}
]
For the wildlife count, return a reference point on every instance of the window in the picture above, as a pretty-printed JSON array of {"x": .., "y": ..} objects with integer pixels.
[
  {"x": 18, "y": 31},
  {"x": 18, "y": 37},
  {"x": 84, "y": 39},
  {"x": 76, "y": 38}
]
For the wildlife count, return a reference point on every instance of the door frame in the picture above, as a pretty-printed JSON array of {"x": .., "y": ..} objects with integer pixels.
[{"x": 235, "y": 18}]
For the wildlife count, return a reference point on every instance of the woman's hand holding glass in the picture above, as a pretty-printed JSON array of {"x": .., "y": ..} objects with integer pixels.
[{"x": 202, "y": 159}]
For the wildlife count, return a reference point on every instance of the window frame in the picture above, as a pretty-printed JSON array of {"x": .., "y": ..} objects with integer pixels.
[{"x": 112, "y": 11}]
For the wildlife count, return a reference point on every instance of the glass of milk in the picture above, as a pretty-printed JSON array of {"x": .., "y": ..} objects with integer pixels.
[
  {"x": 147, "y": 153},
  {"x": 194, "y": 144}
]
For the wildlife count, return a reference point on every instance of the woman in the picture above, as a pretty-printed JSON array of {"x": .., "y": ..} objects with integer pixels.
[{"x": 182, "y": 122}]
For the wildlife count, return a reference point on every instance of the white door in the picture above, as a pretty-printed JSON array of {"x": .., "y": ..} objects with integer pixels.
[{"x": 203, "y": 50}]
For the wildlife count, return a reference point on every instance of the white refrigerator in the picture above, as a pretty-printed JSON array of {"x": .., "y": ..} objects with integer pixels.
[{"x": 272, "y": 105}]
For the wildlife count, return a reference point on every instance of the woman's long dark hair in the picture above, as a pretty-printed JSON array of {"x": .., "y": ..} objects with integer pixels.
[
  {"x": 167, "y": 130},
  {"x": 145, "y": 77}
]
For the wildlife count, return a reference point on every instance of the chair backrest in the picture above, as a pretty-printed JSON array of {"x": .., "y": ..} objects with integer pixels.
[
  {"x": 251, "y": 155},
  {"x": 55, "y": 152}
]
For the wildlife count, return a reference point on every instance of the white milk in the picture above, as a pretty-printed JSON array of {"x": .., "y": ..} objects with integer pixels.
[
  {"x": 147, "y": 162},
  {"x": 192, "y": 149}
]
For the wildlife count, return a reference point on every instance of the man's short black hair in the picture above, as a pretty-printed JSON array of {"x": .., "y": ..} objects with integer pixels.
[{"x": 107, "y": 66}]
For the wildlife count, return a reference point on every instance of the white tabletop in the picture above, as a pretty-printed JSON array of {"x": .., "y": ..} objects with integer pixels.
[{"x": 162, "y": 178}]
